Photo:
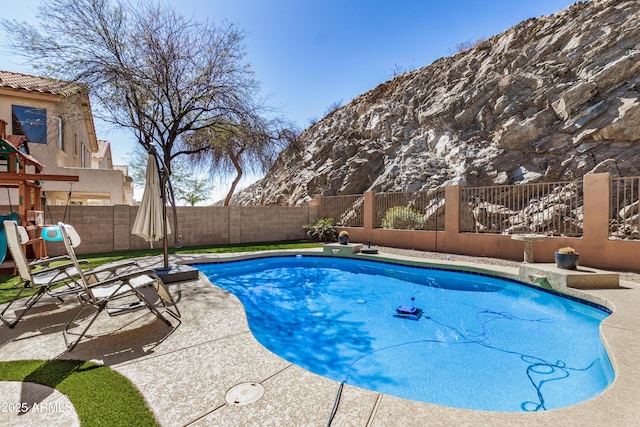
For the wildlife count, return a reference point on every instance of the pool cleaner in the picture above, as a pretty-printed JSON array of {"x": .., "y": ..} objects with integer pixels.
[{"x": 408, "y": 311}]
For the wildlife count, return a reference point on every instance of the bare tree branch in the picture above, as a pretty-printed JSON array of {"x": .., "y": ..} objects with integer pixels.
[
  {"x": 150, "y": 69},
  {"x": 180, "y": 85}
]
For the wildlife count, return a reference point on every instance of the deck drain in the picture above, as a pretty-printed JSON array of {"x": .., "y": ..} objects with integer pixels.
[{"x": 244, "y": 394}]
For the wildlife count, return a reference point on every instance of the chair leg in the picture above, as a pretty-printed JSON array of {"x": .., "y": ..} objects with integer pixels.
[
  {"x": 152, "y": 308},
  {"x": 166, "y": 299},
  {"x": 33, "y": 299},
  {"x": 28, "y": 304},
  {"x": 71, "y": 346},
  {"x": 155, "y": 311},
  {"x": 103, "y": 305}
]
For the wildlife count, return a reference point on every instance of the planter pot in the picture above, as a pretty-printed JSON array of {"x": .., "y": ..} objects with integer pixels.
[
  {"x": 343, "y": 240},
  {"x": 567, "y": 261}
]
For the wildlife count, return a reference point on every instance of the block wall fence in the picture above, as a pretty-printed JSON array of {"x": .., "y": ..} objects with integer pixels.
[
  {"x": 595, "y": 247},
  {"x": 108, "y": 228}
]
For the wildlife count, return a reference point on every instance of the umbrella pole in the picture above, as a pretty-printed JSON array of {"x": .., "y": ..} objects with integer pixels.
[
  {"x": 176, "y": 273},
  {"x": 165, "y": 242}
]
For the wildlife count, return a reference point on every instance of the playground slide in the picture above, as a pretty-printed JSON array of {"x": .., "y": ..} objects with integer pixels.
[{"x": 13, "y": 216}]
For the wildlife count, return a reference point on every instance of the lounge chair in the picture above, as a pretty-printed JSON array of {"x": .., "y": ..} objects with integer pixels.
[
  {"x": 38, "y": 275},
  {"x": 131, "y": 286}
]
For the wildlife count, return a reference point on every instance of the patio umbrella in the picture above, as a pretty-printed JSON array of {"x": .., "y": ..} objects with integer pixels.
[{"x": 148, "y": 222}]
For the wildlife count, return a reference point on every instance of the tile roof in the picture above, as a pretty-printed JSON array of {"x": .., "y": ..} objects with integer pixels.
[
  {"x": 31, "y": 83},
  {"x": 18, "y": 144}
]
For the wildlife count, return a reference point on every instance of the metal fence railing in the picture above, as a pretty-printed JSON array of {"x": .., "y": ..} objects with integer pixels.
[
  {"x": 553, "y": 208},
  {"x": 420, "y": 210},
  {"x": 624, "y": 218},
  {"x": 346, "y": 211}
]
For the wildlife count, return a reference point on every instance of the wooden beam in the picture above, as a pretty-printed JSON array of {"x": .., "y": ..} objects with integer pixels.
[{"x": 16, "y": 177}]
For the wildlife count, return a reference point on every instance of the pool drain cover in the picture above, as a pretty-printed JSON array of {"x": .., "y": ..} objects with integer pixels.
[{"x": 244, "y": 394}]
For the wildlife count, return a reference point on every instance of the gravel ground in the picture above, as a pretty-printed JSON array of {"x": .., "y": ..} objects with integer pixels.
[{"x": 624, "y": 275}]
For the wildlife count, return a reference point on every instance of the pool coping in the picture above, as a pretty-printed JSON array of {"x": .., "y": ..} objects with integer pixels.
[
  {"x": 625, "y": 385},
  {"x": 508, "y": 273},
  {"x": 185, "y": 373}
]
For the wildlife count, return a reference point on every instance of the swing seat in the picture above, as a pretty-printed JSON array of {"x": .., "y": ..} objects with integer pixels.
[{"x": 52, "y": 234}]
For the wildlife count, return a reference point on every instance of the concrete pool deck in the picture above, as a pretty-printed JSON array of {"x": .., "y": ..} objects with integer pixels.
[{"x": 184, "y": 373}]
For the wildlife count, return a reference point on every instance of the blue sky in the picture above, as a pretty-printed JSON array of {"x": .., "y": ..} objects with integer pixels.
[{"x": 309, "y": 54}]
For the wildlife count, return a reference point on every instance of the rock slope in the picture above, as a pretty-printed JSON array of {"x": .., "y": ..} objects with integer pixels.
[{"x": 550, "y": 99}]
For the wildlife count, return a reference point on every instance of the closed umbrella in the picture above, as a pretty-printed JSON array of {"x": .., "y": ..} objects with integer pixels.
[{"x": 148, "y": 222}]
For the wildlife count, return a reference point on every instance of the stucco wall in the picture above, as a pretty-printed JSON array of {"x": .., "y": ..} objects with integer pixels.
[
  {"x": 92, "y": 185},
  {"x": 108, "y": 186}
]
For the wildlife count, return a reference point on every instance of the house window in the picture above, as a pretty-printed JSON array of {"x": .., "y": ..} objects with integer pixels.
[
  {"x": 61, "y": 144},
  {"x": 82, "y": 155},
  {"x": 30, "y": 122}
]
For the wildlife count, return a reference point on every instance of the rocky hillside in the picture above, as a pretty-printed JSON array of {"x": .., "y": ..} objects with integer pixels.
[{"x": 550, "y": 99}]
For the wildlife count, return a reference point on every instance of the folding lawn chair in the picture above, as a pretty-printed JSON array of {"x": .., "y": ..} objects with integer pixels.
[
  {"x": 37, "y": 275},
  {"x": 100, "y": 292}
]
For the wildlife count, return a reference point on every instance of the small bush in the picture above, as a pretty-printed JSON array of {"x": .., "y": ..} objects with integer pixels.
[
  {"x": 323, "y": 230},
  {"x": 469, "y": 44},
  {"x": 567, "y": 250},
  {"x": 402, "y": 217}
]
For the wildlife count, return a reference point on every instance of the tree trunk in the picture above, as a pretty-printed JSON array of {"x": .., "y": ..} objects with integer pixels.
[{"x": 235, "y": 182}]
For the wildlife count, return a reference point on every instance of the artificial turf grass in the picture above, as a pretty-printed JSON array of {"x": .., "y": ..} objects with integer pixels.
[
  {"x": 211, "y": 249},
  {"x": 8, "y": 291},
  {"x": 100, "y": 395}
]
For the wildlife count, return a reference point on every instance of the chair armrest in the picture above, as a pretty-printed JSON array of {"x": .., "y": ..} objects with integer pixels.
[
  {"x": 113, "y": 269},
  {"x": 60, "y": 267},
  {"x": 47, "y": 261},
  {"x": 124, "y": 277}
]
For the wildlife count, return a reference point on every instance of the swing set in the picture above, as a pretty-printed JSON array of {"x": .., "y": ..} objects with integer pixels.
[{"x": 19, "y": 169}]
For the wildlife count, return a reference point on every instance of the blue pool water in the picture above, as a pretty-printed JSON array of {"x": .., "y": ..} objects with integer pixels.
[{"x": 481, "y": 343}]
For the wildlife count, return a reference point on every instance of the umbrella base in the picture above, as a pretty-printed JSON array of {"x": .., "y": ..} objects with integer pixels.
[{"x": 176, "y": 273}]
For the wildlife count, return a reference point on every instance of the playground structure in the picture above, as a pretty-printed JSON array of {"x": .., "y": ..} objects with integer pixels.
[{"x": 20, "y": 170}]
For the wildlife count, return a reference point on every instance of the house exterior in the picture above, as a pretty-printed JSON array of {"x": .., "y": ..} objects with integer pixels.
[{"x": 56, "y": 119}]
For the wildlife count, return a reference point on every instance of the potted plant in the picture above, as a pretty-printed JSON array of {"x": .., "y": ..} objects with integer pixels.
[
  {"x": 567, "y": 258},
  {"x": 343, "y": 238}
]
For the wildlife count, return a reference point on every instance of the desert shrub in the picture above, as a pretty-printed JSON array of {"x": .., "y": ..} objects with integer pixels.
[
  {"x": 402, "y": 217},
  {"x": 322, "y": 230},
  {"x": 335, "y": 106},
  {"x": 470, "y": 44}
]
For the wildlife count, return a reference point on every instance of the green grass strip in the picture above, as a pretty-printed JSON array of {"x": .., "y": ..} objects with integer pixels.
[
  {"x": 100, "y": 395},
  {"x": 7, "y": 282}
]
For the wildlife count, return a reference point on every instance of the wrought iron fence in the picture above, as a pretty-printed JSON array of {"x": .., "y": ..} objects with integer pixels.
[
  {"x": 419, "y": 210},
  {"x": 346, "y": 211},
  {"x": 552, "y": 208},
  {"x": 624, "y": 219}
]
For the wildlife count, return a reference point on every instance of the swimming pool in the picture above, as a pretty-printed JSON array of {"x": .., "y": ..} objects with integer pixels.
[{"x": 480, "y": 342}]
